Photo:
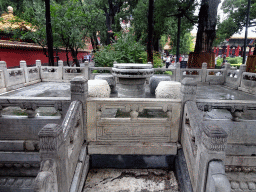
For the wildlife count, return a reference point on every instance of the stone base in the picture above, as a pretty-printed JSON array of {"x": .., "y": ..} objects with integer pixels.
[
  {"x": 131, "y": 88},
  {"x": 98, "y": 88},
  {"x": 168, "y": 89}
]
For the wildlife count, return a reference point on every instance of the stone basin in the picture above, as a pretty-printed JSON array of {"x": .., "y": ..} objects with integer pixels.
[{"x": 132, "y": 78}]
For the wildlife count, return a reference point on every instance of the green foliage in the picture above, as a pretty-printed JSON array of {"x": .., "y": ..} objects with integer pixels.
[
  {"x": 232, "y": 60},
  {"x": 236, "y": 11},
  {"x": 124, "y": 50}
]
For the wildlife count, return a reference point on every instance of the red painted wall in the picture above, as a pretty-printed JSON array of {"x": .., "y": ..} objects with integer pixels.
[{"x": 13, "y": 56}]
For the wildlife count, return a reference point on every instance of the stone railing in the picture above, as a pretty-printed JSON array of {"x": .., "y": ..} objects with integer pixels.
[
  {"x": 196, "y": 74},
  {"x": 215, "y": 76},
  {"x": 100, "y": 70},
  {"x": 27, "y": 125},
  {"x": 203, "y": 144},
  {"x": 124, "y": 126},
  {"x": 164, "y": 71},
  {"x": 23, "y": 76},
  {"x": 63, "y": 146},
  {"x": 248, "y": 83},
  {"x": 233, "y": 76},
  {"x": 240, "y": 148}
]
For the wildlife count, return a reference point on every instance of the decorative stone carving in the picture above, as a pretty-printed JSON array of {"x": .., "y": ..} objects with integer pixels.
[
  {"x": 168, "y": 89},
  {"x": 214, "y": 138},
  {"x": 98, "y": 88},
  {"x": 50, "y": 137},
  {"x": 132, "y": 78}
]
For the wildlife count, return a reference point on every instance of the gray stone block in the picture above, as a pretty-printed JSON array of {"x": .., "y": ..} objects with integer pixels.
[{"x": 7, "y": 145}]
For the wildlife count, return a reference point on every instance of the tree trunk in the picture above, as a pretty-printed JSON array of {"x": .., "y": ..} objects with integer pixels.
[
  {"x": 207, "y": 25},
  {"x": 67, "y": 56},
  {"x": 74, "y": 55},
  {"x": 49, "y": 32},
  {"x": 150, "y": 31}
]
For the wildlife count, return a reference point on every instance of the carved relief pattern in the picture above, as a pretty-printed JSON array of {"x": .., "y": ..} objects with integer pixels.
[
  {"x": 35, "y": 70},
  {"x": 28, "y": 105},
  {"x": 73, "y": 71},
  {"x": 20, "y": 182},
  {"x": 214, "y": 143},
  {"x": 247, "y": 169},
  {"x": 15, "y": 73},
  {"x": 50, "y": 70},
  {"x": 48, "y": 143}
]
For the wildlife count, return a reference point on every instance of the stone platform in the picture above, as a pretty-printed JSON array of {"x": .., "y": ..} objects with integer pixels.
[{"x": 53, "y": 89}]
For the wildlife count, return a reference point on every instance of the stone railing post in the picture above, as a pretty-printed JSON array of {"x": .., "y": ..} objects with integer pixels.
[
  {"x": 177, "y": 73},
  {"x": 52, "y": 147},
  {"x": 242, "y": 69},
  {"x": 60, "y": 63},
  {"x": 3, "y": 67},
  {"x": 79, "y": 92},
  {"x": 188, "y": 93},
  {"x": 204, "y": 72},
  {"x": 39, "y": 65},
  {"x": 227, "y": 67},
  {"x": 23, "y": 65},
  {"x": 86, "y": 68},
  {"x": 211, "y": 147}
]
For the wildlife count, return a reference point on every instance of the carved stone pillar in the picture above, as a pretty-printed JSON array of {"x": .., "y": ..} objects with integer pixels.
[
  {"x": 52, "y": 146},
  {"x": 204, "y": 72},
  {"x": 188, "y": 93},
  {"x": 60, "y": 63},
  {"x": 23, "y": 65},
  {"x": 79, "y": 91},
  {"x": 177, "y": 65},
  {"x": 3, "y": 67},
  {"x": 212, "y": 144},
  {"x": 38, "y": 63},
  {"x": 188, "y": 90}
]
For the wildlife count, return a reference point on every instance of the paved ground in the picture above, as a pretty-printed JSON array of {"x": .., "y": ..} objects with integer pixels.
[
  {"x": 130, "y": 180},
  {"x": 53, "y": 89}
]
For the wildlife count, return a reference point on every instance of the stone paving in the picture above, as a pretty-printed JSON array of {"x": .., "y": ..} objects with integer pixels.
[{"x": 130, "y": 180}]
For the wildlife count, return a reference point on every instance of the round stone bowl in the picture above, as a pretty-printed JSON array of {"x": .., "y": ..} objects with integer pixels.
[
  {"x": 155, "y": 80},
  {"x": 168, "y": 89},
  {"x": 109, "y": 78},
  {"x": 98, "y": 88}
]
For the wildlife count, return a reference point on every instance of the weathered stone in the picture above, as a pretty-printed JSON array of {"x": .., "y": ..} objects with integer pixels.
[
  {"x": 110, "y": 79},
  {"x": 98, "y": 88},
  {"x": 251, "y": 185},
  {"x": 132, "y": 78},
  {"x": 234, "y": 185},
  {"x": 168, "y": 89},
  {"x": 155, "y": 80}
]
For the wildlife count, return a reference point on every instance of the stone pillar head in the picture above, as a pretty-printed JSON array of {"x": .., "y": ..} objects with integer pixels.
[
  {"x": 79, "y": 89},
  {"x": 188, "y": 89},
  {"x": 38, "y": 63},
  {"x": 114, "y": 62},
  {"x": 23, "y": 64},
  {"x": 204, "y": 65},
  {"x": 60, "y": 63},
  {"x": 227, "y": 66},
  {"x": 3, "y": 65},
  {"x": 242, "y": 68}
]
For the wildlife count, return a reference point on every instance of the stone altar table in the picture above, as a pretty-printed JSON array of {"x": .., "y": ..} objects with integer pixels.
[{"x": 132, "y": 79}]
